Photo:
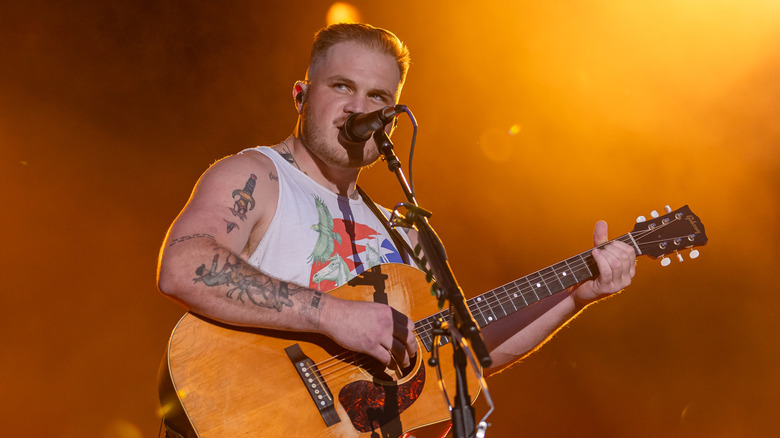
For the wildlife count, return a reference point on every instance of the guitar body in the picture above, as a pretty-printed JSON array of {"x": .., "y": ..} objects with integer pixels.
[{"x": 224, "y": 381}]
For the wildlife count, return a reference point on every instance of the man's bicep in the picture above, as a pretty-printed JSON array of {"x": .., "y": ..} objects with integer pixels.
[{"x": 229, "y": 200}]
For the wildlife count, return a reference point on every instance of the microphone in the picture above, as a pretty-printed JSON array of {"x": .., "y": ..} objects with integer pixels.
[{"x": 360, "y": 126}]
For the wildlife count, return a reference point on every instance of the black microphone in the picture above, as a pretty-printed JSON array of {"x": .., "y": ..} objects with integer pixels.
[{"x": 360, "y": 126}]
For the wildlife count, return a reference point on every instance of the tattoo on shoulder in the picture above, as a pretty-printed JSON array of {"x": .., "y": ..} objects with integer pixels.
[
  {"x": 190, "y": 237},
  {"x": 272, "y": 176},
  {"x": 260, "y": 290},
  {"x": 287, "y": 155},
  {"x": 244, "y": 201}
]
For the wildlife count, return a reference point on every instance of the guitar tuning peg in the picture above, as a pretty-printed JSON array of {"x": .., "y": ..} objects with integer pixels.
[
  {"x": 694, "y": 253},
  {"x": 665, "y": 261},
  {"x": 668, "y": 209},
  {"x": 640, "y": 219},
  {"x": 654, "y": 214}
]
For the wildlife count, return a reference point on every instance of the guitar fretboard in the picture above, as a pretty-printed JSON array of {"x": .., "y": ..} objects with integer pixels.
[{"x": 511, "y": 297}]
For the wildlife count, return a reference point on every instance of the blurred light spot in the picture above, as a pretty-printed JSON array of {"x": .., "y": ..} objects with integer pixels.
[
  {"x": 341, "y": 12},
  {"x": 164, "y": 409},
  {"x": 496, "y": 144},
  {"x": 122, "y": 429},
  {"x": 181, "y": 393},
  {"x": 515, "y": 129},
  {"x": 23, "y": 163}
]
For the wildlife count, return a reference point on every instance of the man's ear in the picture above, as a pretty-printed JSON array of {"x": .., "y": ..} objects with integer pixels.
[{"x": 299, "y": 95}]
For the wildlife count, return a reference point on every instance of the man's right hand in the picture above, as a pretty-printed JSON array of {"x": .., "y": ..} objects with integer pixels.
[{"x": 375, "y": 329}]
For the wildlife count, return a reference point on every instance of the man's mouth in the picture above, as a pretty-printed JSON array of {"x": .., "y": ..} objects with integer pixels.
[{"x": 345, "y": 141}]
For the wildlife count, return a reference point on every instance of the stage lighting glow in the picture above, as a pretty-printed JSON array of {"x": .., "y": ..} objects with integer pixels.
[
  {"x": 496, "y": 145},
  {"x": 342, "y": 12},
  {"x": 122, "y": 429}
]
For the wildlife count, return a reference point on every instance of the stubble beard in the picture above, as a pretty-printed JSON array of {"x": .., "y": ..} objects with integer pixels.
[{"x": 328, "y": 149}]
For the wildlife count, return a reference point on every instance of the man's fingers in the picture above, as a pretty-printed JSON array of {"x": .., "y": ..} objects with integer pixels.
[
  {"x": 616, "y": 266},
  {"x": 384, "y": 355},
  {"x": 411, "y": 341},
  {"x": 403, "y": 331},
  {"x": 600, "y": 233},
  {"x": 602, "y": 257},
  {"x": 400, "y": 353}
]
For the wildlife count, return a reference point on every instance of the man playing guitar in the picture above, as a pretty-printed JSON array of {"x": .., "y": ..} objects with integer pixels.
[{"x": 268, "y": 232}]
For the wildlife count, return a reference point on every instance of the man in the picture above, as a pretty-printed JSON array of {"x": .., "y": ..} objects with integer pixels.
[{"x": 267, "y": 231}]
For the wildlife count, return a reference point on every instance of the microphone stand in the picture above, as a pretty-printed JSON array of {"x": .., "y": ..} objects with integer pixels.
[{"x": 463, "y": 419}]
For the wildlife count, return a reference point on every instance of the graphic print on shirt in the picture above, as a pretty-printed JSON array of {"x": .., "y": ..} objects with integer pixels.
[
  {"x": 327, "y": 239},
  {"x": 344, "y": 249}
]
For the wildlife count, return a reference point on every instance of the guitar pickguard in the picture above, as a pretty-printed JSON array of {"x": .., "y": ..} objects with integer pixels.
[{"x": 372, "y": 406}]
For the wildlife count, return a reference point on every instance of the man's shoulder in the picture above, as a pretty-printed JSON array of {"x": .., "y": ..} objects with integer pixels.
[{"x": 246, "y": 160}]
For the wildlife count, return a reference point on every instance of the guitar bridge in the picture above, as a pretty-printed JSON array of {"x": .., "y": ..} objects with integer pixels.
[{"x": 315, "y": 384}]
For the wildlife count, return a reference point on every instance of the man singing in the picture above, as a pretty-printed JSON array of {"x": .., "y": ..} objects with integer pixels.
[{"x": 268, "y": 232}]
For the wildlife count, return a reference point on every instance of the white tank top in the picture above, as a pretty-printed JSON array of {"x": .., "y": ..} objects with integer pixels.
[{"x": 317, "y": 238}]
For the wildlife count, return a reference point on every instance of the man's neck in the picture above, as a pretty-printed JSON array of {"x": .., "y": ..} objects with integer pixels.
[{"x": 339, "y": 180}]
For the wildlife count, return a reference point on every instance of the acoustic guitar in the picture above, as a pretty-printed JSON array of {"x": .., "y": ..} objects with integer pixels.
[{"x": 220, "y": 381}]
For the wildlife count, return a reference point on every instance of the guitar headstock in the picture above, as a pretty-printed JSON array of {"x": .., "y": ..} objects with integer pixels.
[{"x": 670, "y": 233}]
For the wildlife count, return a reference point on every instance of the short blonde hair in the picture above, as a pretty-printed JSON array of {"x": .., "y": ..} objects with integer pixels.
[{"x": 374, "y": 38}]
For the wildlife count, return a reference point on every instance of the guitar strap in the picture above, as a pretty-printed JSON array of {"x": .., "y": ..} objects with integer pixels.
[{"x": 407, "y": 253}]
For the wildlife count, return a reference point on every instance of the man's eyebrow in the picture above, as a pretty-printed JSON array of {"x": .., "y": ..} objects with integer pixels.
[
  {"x": 341, "y": 79},
  {"x": 384, "y": 93}
]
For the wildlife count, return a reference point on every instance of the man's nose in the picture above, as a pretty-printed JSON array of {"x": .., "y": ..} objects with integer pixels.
[{"x": 357, "y": 104}]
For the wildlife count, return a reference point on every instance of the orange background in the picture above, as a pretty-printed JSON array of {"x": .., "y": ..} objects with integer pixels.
[{"x": 536, "y": 119}]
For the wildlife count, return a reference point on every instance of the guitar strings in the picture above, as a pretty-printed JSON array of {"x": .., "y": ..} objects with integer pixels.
[
  {"x": 330, "y": 375},
  {"x": 510, "y": 295},
  {"x": 515, "y": 288},
  {"x": 342, "y": 364},
  {"x": 349, "y": 361},
  {"x": 330, "y": 369},
  {"x": 512, "y": 291}
]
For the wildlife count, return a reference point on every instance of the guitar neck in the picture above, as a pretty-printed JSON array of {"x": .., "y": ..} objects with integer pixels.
[{"x": 505, "y": 300}]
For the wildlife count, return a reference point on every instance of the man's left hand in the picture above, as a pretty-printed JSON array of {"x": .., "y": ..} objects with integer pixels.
[{"x": 617, "y": 266}]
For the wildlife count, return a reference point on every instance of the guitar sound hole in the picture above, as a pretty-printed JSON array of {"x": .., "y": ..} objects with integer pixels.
[{"x": 380, "y": 372}]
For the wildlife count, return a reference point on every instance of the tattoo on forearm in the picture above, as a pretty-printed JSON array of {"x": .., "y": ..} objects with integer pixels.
[
  {"x": 315, "y": 301},
  {"x": 190, "y": 237},
  {"x": 243, "y": 201},
  {"x": 260, "y": 290}
]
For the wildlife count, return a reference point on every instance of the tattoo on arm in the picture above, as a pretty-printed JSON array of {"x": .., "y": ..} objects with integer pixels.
[
  {"x": 190, "y": 237},
  {"x": 230, "y": 225},
  {"x": 243, "y": 201},
  {"x": 260, "y": 290},
  {"x": 315, "y": 301}
]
